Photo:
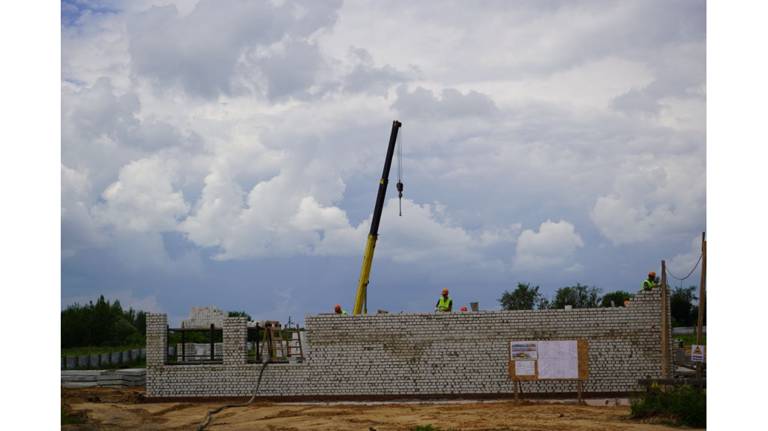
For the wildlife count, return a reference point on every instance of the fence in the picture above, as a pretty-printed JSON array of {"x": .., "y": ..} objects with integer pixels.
[{"x": 102, "y": 360}]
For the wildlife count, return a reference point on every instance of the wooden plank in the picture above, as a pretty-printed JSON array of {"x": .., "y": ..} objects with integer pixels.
[
  {"x": 515, "y": 377},
  {"x": 582, "y": 345}
]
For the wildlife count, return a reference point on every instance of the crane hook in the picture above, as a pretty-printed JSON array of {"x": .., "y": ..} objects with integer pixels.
[{"x": 400, "y": 196}]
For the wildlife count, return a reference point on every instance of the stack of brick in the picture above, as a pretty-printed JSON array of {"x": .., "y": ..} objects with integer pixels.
[
  {"x": 203, "y": 317},
  {"x": 424, "y": 354}
]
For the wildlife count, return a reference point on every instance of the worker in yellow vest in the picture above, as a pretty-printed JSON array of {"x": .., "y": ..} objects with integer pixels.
[
  {"x": 444, "y": 304},
  {"x": 650, "y": 282}
]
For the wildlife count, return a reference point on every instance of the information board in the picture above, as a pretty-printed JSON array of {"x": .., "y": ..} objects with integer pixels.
[
  {"x": 697, "y": 353},
  {"x": 550, "y": 359}
]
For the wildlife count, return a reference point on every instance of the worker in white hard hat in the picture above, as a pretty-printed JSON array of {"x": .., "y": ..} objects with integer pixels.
[{"x": 444, "y": 303}]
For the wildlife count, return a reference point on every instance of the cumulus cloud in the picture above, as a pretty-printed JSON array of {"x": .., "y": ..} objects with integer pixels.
[
  {"x": 651, "y": 199},
  {"x": 200, "y": 51},
  {"x": 422, "y": 103},
  {"x": 143, "y": 198},
  {"x": 424, "y": 233},
  {"x": 554, "y": 245},
  {"x": 254, "y": 132},
  {"x": 366, "y": 76},
  {"x": 78, "y": 229}
]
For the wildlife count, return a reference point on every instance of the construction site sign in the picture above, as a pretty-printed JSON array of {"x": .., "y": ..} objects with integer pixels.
[
  {"x": 550, "y": 359},
  {"x": 697, "y": 353}
]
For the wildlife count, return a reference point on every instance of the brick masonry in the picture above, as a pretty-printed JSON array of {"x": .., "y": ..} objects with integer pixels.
[{"x": 423, "y": 354}]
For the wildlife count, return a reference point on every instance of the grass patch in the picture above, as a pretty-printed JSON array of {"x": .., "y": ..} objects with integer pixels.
[
  {"x": 681, "y": 405},
  {"x": 70, "y": 418},
  {"x": 690, "y": 339}
]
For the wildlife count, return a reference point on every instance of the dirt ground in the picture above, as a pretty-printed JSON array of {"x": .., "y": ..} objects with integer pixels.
[{"x": 124, "y": 409}]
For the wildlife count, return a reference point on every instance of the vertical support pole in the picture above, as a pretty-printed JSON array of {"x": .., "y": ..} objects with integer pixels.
[
  {"x": 579, "y": 391},
  {"x": 211, "y": 339},
  {"x": 702, "y": 298},
  {"x": 664, "y": 323},
  {"x": 183, "y": 345},
  {"x": 258, "y": 341},
  {"x": 517, "y": 390}
]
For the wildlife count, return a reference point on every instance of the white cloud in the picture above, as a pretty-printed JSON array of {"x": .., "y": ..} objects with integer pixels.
[
  {"x": 651, "y": 199},
  {"x": 203, "y": 51},
  {"x": 78, "y": 229},
  {"x": 554, "y": 245},
  {"x": 258, "y": 130},
  {"x": 143, "y": 198}
]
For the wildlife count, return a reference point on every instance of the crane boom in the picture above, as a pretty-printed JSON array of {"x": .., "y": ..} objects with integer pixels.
[{"x": 361, "y": 299}]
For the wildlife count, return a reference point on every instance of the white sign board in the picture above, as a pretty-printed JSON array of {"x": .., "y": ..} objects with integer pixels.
[
  {"x": 697, "y": 353},
  {"x": 557, "y": 359},
  {"x": 525, "y": 368}
]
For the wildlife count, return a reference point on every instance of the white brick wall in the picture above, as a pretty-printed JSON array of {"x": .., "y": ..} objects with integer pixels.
[{"x": 425, "y": 354}]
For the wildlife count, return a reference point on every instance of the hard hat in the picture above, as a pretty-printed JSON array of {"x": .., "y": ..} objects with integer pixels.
[
  {"x": 463, "y": 308},
  {"x": 445, "y": 291},
  {"x": 337, "y": 307},
  {"x": 652, "y": 274}
]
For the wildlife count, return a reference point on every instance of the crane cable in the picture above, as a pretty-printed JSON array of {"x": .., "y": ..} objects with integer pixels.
[{"x": 400, "y": 173}]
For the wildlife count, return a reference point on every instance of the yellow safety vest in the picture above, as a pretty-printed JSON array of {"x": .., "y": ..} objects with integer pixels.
[
  {"x": 444, "y": 304},
  {"x": 648, "y": 284}
]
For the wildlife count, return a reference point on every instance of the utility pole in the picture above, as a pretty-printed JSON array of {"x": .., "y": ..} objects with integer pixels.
[
  {"x": 664, "y": 323},
  {"x": 702, "y": 297}
]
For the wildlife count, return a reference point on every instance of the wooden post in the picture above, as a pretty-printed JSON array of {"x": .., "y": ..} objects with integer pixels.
[
  {"x": 580, "y": 390},
  {"x": 517, "y": 390},
  {"x": 702, "y": 298},
  {"x": 665, "y": 357}
]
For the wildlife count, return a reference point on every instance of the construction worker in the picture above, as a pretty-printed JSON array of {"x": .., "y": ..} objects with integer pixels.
[
  {"x": 650, "y": 282},
  {"x": 339, "y": 310},
  {"x": 444, "y": 304}
]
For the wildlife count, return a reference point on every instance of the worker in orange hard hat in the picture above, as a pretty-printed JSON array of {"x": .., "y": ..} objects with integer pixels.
[
  {"x": 338, "y": 310},
  {"x": 444, "y": 304},
  {"x": 650, "y": 282}
]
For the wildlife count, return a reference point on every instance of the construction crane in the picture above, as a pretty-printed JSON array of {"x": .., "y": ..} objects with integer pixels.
[{"x": 361, "y": 299}]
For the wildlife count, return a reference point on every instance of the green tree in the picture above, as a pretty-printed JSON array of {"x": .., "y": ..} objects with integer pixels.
[
  {"x": 101, "y": 324},
  {"x": 240, "y": 314},
  {"x": 681, "y": 306},
  {"x": 524, "y": 297},
  {"x": 578, "y": 296},
  {"x": 618, "y": 297}
]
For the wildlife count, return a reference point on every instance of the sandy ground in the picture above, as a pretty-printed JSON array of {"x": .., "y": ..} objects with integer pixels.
[{"x": 123, "y": 409}]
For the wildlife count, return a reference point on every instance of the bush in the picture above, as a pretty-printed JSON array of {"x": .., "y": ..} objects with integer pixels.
[{"x": 683, "y": 405}]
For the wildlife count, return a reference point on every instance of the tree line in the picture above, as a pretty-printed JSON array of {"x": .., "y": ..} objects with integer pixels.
[
  {"x": 106, "y": 323},
  {"x": 102, "y": 324},
  {"x": 526, "y": 297}
]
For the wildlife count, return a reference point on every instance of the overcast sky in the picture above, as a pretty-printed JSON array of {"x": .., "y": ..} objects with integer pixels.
[{"x": 228, "y": 153}]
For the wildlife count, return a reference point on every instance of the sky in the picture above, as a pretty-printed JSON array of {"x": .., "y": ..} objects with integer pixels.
[{"x": 228, "y": 153}]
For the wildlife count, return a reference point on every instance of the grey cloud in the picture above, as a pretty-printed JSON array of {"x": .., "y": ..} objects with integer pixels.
[
  {"x": 680, "y": 72},
  {"x": 291, "y": 71},
  {"x": 368, "y": 78},
  {"x": 200, "y": 51},
  {"x": 422, "y": 103}
]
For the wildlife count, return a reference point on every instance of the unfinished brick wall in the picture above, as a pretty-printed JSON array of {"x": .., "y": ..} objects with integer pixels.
[{"x": 423, "y": 354}]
